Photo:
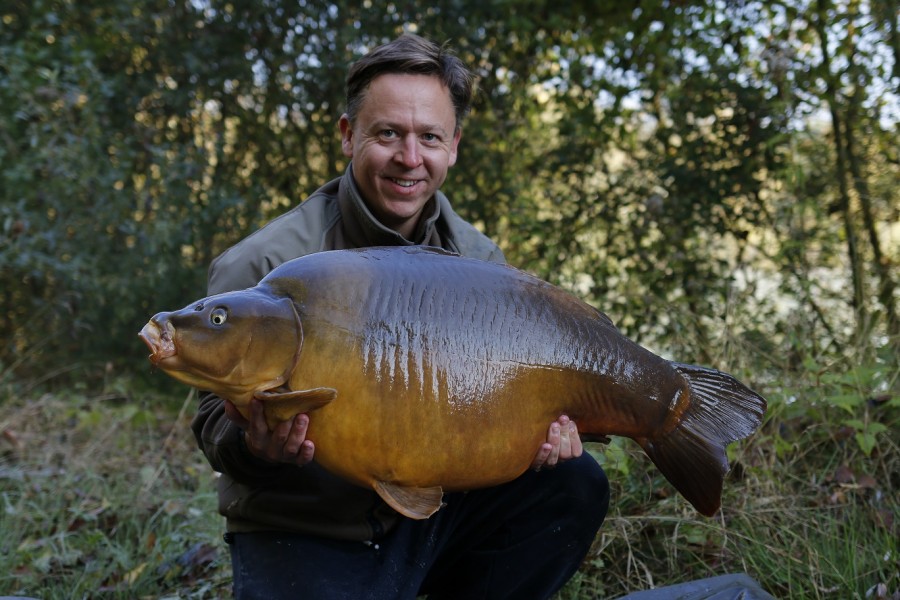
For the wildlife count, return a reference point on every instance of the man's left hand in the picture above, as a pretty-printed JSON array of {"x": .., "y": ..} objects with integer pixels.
[{"x": 563, "y": 443}]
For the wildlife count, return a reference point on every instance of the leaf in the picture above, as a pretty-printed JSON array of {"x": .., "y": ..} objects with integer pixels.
[
  {"x": 866, "y": 442},
  {"x": 876, "y": 428},
  {"x": 844, "y": 475},
  {"x": 848, "y": 402},
  {"x": 866, "y": 481},
  {"x": 148, "y": 474},
  {"x": 866, "y": 433},
  {"x": 132, "y": 576},
  {"x": 697, "y": 536},
  {"x": 613, "y": 457},
  {"x": 884, "y": 518}
]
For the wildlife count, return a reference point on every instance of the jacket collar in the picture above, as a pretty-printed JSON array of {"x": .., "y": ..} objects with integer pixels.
[{"x": 362, "y": 229}]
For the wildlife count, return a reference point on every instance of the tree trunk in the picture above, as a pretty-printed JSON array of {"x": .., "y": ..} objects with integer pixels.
[
  {"x": 887, "y": 11},
  {"x": 844, "y": 204},
  {"x": 881, "y": 264}
]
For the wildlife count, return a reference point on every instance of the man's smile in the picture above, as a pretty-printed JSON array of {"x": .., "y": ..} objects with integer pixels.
[{"x": 404, "y": 182}]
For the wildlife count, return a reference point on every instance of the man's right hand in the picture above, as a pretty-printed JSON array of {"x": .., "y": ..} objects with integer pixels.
[{"x": 286, "y": 443}]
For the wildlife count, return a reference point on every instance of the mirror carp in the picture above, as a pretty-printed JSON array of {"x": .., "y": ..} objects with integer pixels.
[{"x": 424, "y": 372}]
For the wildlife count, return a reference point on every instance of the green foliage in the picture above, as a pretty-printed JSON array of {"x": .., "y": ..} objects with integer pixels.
[{"x": 84, "y": 226}]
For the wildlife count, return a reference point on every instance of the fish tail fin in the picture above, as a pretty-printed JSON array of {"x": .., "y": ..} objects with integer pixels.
[{"x": 720, "y": 410}]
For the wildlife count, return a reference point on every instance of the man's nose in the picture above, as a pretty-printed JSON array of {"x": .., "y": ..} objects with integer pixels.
[{"x": 408, "y": 153}]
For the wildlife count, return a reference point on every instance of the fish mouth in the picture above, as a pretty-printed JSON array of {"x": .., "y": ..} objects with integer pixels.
[{"x": 159, "y": 341}]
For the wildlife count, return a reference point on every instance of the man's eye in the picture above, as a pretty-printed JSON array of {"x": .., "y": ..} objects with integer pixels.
[
  {"x": 388, "y": 133},
  {"x": 218, "y": 316}
]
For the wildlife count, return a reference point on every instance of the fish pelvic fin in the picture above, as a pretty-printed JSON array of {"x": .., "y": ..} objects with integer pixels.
[
  {"x": 283, "y": 405},
  {"x": 692, "y": 455},
  {"x": 413, "y": 502}
]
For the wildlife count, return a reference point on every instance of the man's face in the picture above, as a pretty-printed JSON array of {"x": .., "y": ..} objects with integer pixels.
[{"x": 402, "y": 144}]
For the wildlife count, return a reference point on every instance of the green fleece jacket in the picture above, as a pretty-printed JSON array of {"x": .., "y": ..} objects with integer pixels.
[{"x": 255, "y": 495}]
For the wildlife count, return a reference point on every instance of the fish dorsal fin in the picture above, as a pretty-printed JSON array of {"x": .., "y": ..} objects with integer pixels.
[
  {"x": 432, "y": 250},
  {"x": 285, "y": 405},
  {"x": 412, "y": 502}
]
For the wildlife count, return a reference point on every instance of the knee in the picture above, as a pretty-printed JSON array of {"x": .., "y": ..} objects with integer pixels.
[{"x": 585, "y": 487}]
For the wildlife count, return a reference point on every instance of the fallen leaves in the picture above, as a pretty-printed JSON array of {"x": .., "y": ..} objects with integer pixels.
[{"x": 845, "y": 486}]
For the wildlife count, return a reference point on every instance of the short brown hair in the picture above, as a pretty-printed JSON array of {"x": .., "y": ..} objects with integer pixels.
[{"x": 411, "y": 54}]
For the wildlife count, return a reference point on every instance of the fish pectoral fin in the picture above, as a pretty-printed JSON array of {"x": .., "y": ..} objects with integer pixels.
[
  {"x": 284, "y": 405},
  {"x": 412, "y": 502}
]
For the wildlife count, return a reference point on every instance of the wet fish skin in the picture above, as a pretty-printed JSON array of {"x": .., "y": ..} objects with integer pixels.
[
  {"x": 429, "y": 372},
  {"x": 254, "y": 348}
]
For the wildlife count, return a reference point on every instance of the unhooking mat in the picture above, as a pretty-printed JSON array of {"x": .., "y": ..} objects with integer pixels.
[{"x": 738, "y": 586}]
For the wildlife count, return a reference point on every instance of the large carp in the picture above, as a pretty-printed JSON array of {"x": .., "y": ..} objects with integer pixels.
[{"x": 424, "y": 371}]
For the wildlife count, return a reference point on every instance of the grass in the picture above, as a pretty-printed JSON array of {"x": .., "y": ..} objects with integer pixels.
[
  {"x": 106, "y": 497},
  {"x": 104, "y": 494}
]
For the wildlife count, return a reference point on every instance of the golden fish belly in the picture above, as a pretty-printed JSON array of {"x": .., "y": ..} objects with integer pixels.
[{"x": 423, "y": 435}]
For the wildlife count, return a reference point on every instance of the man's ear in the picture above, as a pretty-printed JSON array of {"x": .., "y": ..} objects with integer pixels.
[
  {"x": 454, "y": 144},
  {"x": 346, "y": 136}
]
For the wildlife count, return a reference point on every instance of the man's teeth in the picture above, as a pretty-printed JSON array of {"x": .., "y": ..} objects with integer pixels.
[{"x": 404, "y": 182}]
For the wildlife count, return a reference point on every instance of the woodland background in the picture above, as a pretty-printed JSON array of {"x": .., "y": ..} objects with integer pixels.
[{"x": 720, "y": 177}]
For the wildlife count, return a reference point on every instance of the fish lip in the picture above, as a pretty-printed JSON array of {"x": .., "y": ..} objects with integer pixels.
[{"x": 160, "y": 341}]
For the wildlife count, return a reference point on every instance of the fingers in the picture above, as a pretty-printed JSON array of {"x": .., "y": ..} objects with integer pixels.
[
  {"x": 541, "y": 457},
  {"x": 570, "y": 445},
  {"x": 555, "y": 439},
  {"x": 285, "y": 443},
  {"x": 563, "y": 443},
  {"x": 297, "y": 449},
  {"x": 576, "y": 447}
]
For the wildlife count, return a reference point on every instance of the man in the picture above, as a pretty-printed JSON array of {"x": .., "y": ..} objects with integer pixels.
[{"x": 294, "y": 529}]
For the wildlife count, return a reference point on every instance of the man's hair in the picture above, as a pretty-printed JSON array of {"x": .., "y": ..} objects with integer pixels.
[{"x": 411, "y": 54}]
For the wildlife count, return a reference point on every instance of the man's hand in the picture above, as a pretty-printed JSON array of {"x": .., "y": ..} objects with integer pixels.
[
  {"x": 286, "y": 443},
  {"x": 562, "y": 444}
]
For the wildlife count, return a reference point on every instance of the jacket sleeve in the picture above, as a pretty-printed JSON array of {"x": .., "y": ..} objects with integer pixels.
[{"x": 221, "y": 441}]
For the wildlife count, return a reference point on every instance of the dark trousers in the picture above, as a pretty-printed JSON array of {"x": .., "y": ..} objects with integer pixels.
[{"x": 523, "y": 539}]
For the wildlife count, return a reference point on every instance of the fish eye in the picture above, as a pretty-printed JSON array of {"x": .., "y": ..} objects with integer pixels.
[{"x": 218, "y": 316}]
